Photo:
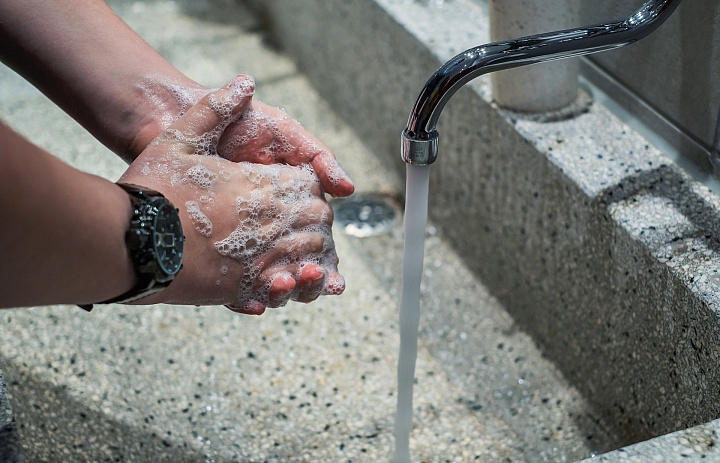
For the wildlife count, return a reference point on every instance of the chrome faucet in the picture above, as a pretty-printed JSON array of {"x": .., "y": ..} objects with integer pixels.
[{"x": 420, "y": 137}]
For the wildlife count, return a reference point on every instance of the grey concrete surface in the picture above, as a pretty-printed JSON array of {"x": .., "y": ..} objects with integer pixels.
[
  {"x": 597, "y": 245},
  {"x": 693, "y": 445},
  {"x": 303, "y": 383}
]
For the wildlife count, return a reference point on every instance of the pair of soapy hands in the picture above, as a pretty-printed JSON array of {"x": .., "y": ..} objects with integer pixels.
[{"x": 257, "y": 225}]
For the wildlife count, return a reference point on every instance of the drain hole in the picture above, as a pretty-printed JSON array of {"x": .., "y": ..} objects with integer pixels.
[{"x": 366, "y": 214}]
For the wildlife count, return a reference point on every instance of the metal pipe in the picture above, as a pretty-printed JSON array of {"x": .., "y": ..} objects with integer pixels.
[{"x": 420, "y": 137}]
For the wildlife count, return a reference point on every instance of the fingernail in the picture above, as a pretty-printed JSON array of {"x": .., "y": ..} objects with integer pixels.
[
  {"x": 311, "y": 273},
  {"x": 335, "y": 284},
  {"x": 241, "y": 87}
]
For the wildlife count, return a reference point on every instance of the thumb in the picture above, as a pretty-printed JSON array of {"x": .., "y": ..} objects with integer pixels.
[{"x": 201, "y": 126}]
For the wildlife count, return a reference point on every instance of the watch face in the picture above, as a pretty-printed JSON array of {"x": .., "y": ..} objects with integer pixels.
[{"x": 168, "y": 239}]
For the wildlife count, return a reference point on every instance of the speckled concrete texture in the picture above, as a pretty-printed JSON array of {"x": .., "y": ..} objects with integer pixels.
[
  {"x": 695, "y": 445},
  {"x": 303, "y": 383},
  {"x": 597, "y": 245},
  {"x": 11, "y": 450},
  {"x": 6, "y": 414}
]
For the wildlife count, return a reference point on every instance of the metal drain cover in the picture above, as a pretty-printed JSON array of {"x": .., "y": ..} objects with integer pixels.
[{"x": 366, "y": 214}]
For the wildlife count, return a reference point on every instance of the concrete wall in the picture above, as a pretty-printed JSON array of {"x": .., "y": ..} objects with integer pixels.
[{"x": 677, "y": 69}]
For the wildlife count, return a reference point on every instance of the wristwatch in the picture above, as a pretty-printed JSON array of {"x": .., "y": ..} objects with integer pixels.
[{"x": 154, "y": 241}]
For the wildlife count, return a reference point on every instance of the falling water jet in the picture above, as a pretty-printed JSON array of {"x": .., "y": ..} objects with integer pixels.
[{"x": 416, "y": 206}]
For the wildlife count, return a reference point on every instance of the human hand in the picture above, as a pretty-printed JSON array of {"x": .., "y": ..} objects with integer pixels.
[
  {"x": 256, "y": 235},
  {"x": 263, "y": 134}
]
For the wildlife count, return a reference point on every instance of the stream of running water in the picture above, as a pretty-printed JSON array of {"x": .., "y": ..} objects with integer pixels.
[{"x": 416, "y": 205}]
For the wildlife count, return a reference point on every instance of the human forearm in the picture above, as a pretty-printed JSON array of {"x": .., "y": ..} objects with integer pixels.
[
  {"x": 62, "y": 233},
  {"x": 88, "y": 61}
]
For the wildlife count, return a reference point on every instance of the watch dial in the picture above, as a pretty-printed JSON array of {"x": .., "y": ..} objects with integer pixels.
[{"x": 168, "y": 239}]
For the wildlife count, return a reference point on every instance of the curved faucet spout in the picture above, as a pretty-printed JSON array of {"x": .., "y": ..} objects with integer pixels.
[{"x": 420, "y": 137}]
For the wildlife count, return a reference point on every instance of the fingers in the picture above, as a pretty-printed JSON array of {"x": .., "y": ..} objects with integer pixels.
[
  {"x": 292, "y": 248},
  {"x": 287, "y": 207},
  {"x": 281, "y": 289},
  {"x": 335, "y": 285},
  {"x": 298, "y": 282},
  {"x": 333, "y": 179},
  {"x": 318, "y": 212},
  {"x": 309, "y": 150},
  {"x": 311, "y": 283},
  {"x": 266, "y": 135},
  {"x": 210, "y": 116},
  {"x": 252, "y": 307}
]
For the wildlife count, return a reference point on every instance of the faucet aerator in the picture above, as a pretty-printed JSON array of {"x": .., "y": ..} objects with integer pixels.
[{"x": 419, "y": 150}]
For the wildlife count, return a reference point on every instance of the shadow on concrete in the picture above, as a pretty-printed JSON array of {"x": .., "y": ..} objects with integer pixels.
[
  {"x": 54, "y": 426},
  {"x": 667, "y": 182}
]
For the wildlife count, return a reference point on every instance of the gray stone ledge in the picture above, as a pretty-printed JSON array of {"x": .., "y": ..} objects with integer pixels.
[{"x": 604, "y": 251}]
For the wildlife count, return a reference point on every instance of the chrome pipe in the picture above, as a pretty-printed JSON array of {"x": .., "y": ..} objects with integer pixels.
[{"x": 420, "y": 137}]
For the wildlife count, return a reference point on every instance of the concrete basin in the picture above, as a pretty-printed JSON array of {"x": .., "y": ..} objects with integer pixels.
[{"x": 569, "y": 299}]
